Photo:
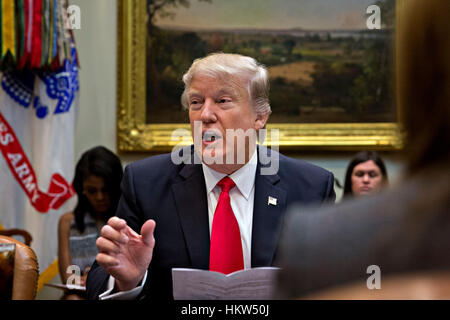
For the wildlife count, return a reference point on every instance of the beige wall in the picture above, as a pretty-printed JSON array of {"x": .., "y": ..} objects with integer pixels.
[
  {"x": 96, "y": 124},
  {"x": 96, "y": 44}
]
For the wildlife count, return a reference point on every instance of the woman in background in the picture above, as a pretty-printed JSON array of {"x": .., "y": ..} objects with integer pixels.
[
  {"x": 366, "y": 174},
  {"x": 97, "y": 183}
]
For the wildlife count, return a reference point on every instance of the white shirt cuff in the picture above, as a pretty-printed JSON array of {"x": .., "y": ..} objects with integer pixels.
[{"x": 122, "y": 295}]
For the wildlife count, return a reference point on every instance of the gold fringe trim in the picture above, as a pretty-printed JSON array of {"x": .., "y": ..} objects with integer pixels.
[{"x": 48, "y": 274}]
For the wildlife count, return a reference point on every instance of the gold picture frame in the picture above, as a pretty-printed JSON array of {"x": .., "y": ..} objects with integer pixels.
[{"x": 135, "y": 135}]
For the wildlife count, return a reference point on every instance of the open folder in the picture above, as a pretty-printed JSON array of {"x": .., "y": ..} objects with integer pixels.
[{"x": 249, "y": 284}]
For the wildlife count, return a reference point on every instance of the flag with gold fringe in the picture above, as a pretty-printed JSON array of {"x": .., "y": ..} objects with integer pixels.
[{"x": 38, "y": 104}]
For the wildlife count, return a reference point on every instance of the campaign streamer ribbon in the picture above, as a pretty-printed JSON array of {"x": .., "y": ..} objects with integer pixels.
[
  {"x": 28, "y": 32},
  {"x": 20, "y": 30},
  {"x": 46, "y": 31},
  {"x": 61, "y": 37},
  {"x": 8, "y": 28},
  {"x": 29, "y": 11},
  {"x": 65, "y": 30},
  {"x": 51, "y": 33},
  {"x": 59, "y": 190},
  {"x": 43, "y": 33},
  {"x": 55, "y": 29},
  {"x": 37, "y": 34}
]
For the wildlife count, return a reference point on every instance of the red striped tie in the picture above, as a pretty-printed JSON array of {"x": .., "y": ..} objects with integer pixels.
[{"x": 226, "y": 246}]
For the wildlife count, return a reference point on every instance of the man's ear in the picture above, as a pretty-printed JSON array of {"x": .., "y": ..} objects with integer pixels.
[{"x": 261, "y": 120}]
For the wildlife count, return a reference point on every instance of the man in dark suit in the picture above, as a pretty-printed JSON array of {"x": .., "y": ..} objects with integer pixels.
[{"x": 178, "y": 201}]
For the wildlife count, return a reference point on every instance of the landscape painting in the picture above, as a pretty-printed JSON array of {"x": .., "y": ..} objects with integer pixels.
[{"x": 325, "y": 64}]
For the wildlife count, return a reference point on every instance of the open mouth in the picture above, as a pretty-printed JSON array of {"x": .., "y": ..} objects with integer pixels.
[{"x": 210, "y": 136}]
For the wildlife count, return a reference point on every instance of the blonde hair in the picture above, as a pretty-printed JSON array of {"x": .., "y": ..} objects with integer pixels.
[{"x": 218, "y": 65}]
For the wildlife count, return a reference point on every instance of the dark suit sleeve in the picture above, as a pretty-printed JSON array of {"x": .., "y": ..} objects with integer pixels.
[
  {"x": 330, "y": 195},
  {"x": 129, "y": 211},
  {"x": 96, "y": 281}
]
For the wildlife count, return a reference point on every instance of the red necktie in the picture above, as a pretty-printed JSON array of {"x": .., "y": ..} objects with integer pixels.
[{"x": 226, "y": 247}]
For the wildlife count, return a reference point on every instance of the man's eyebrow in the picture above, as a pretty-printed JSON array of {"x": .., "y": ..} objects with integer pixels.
[
  {"x": 193, "y": 93},
  {"x": 226, "y": 91},
  {"x": 233, "y": 93}
]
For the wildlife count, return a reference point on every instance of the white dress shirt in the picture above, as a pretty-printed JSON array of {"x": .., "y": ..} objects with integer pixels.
[{"x": 242, "y": 199}]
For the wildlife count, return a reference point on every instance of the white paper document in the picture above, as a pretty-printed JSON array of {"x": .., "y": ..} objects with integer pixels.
[
  {"x": 64, "y": 286},
  {"x": 249, "y": 284}
]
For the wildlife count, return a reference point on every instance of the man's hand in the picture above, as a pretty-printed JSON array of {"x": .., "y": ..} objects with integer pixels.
[{"x": 123, "y": 253}]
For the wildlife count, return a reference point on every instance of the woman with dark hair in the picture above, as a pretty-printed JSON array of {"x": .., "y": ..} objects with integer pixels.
[
  {"x": 97, "y": 183},
  {"x": 366, "y": 174}
]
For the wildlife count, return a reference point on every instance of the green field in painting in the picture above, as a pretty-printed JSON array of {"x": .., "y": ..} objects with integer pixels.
[{"x": 314, "y": 76}]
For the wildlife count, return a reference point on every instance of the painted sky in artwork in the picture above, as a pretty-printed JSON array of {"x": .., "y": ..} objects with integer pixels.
[{"x": 271, "y": 14}]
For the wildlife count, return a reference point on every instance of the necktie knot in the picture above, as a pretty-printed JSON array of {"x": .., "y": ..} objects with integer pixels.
[{"x": 226, "y": 184}]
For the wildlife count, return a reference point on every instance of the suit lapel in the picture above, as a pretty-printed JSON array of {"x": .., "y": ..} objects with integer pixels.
[
  {"x": 267, "y": 217},
  {"x": 192, "y": 209}
]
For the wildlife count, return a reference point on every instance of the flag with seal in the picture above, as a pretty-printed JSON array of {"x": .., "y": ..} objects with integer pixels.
[{"x": 37, "y": 124}]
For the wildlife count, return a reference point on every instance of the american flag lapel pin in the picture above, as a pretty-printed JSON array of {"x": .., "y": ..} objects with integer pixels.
[{"x": 272, "y": 201}]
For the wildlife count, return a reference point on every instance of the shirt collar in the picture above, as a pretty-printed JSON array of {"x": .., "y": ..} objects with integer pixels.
[{"x": 244, "y": 178}]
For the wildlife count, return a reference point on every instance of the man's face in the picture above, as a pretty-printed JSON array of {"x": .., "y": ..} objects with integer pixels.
[
  {"x": 366, "y": 178},
  {"x": 218, "y": 105}
]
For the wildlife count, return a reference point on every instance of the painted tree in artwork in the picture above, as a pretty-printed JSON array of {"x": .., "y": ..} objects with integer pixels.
[
  {"x": 169, "y": 54},
  {"x": 363, "y": 87},
  {"x": 372, "y": 90},
  {"x": 164, "y": 8}
]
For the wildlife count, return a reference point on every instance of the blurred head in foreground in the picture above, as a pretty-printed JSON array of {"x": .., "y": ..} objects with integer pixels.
[
  {"x": 403, "y": 231},
  {"x": 423, "y": 83}
]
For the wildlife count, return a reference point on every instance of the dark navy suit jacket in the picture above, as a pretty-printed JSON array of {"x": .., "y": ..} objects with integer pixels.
[{"x": 175, "y": 197}]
